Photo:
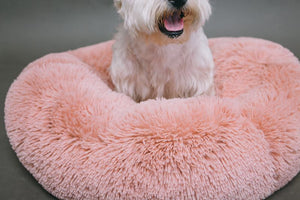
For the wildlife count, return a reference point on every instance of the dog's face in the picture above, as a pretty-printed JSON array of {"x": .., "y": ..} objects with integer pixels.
[{"x": 163, "y": 21}]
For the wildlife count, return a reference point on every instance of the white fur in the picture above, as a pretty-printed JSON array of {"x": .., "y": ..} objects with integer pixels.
[{"x": 147, "y": 64}]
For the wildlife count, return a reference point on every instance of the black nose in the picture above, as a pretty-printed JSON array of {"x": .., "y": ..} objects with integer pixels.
[{"x": 178, "y": 3}]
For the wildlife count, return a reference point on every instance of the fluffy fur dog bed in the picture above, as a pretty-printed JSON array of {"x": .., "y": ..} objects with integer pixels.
[{"x": 82, "y": 140}]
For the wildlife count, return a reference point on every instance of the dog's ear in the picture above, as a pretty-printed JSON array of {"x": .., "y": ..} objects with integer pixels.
[{"x": 118, "y": 4}]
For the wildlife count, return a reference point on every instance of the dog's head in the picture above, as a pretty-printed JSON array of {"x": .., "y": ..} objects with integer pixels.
[{"x": 163, "y": 21}]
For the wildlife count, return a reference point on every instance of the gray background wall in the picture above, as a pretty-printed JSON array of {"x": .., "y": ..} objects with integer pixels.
[{"x": 30, "y": 29}]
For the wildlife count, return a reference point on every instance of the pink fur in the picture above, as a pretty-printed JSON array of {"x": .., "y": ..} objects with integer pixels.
[{"x": 81, "y": 140}]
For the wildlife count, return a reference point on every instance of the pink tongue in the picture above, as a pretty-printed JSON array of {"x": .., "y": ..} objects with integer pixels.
[{"x": 173, "y": 23}]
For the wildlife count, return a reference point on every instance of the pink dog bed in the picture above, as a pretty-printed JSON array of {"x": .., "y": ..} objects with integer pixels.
[{"x": 82, "y": 140}]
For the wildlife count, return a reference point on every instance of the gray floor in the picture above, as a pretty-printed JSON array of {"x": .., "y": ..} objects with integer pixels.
[{"x": 32, "y": 28}]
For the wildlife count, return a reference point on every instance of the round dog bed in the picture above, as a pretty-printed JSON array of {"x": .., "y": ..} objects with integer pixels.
[{"x": 82, "y": 140}]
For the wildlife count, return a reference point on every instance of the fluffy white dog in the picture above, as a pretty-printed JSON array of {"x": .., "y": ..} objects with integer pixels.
[{"x": 161, "y": 50}]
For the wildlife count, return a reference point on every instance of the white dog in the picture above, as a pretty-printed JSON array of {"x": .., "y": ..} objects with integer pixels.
[{"x": 161, "y": 50}]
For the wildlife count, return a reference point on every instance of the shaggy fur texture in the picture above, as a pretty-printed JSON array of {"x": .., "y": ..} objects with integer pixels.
[
  {"x": 82, "y": 140},
  {"x": 148, "y": 64}
]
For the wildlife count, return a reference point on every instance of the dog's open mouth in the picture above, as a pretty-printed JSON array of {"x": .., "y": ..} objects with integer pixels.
[{"x": 172, "y": 25}]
